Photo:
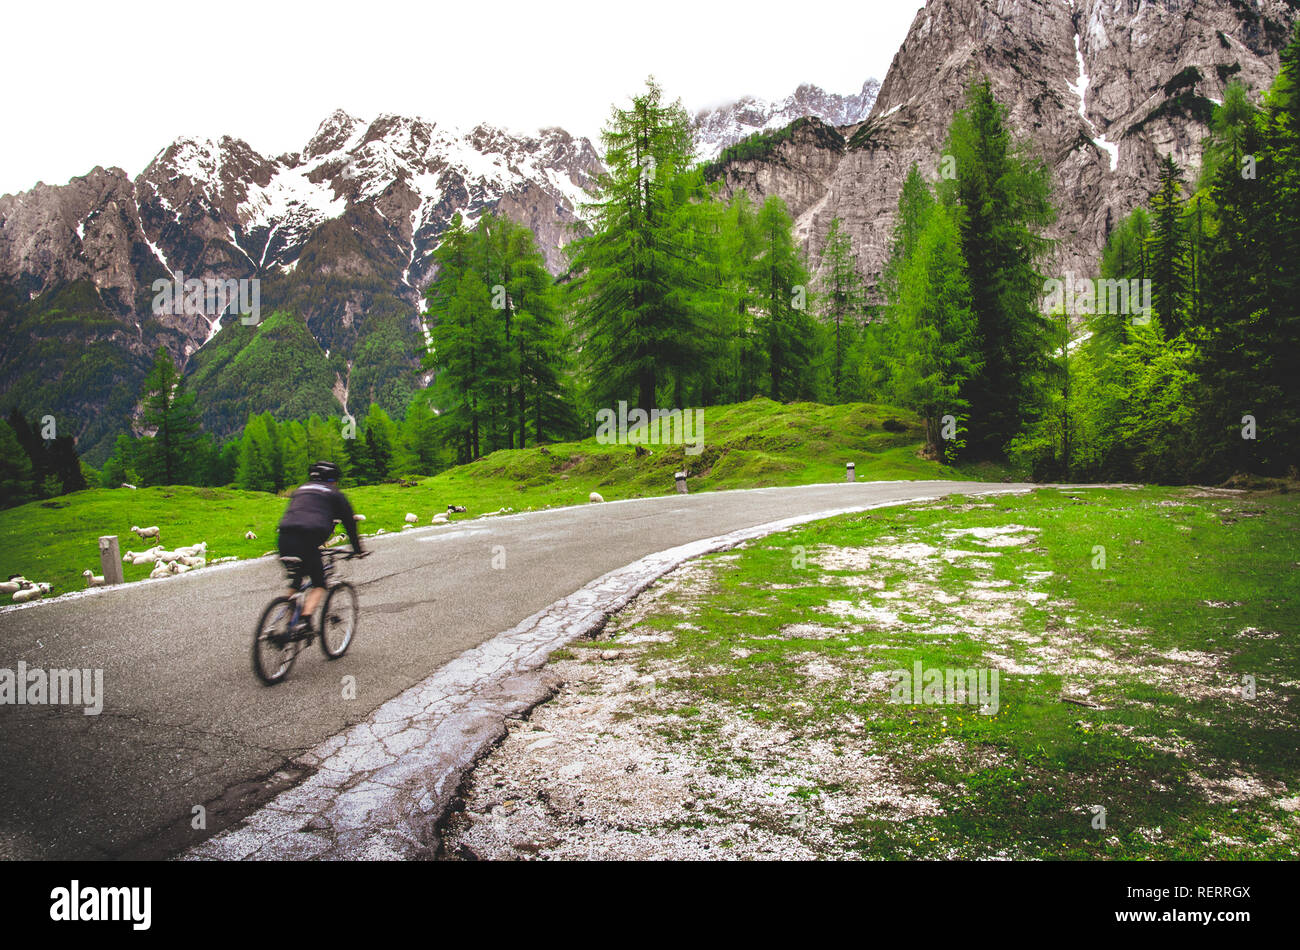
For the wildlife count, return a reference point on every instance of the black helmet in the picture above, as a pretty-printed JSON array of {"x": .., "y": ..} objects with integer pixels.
[{"x": 324, "y": 472}]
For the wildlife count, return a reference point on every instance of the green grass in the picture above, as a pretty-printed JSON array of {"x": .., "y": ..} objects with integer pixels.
[
  {"x": 750, "y": 445},
  {"x": 1196, "y": 593}
]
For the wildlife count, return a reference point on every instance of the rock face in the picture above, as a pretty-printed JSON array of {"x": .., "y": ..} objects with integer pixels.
[
  {"x": 725, "y": 125},
  {"x": 358, "y": 210},
  {"x": 1103, "y": 89}
]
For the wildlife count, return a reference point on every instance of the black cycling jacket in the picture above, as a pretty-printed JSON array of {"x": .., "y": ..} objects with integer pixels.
[{"x": 314, "y": 508}]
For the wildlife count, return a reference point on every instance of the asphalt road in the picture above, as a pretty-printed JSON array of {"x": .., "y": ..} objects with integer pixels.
[{"x": 185, "y": 722}]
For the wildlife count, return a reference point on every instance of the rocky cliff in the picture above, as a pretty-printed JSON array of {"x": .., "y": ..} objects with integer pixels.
[{"x": 1102, "y": 89}]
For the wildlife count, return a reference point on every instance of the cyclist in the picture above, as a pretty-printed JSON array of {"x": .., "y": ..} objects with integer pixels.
[{"x": 308, "y": 523}]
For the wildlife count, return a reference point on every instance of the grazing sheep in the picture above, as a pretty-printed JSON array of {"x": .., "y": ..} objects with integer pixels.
[
  {"x": 26, "y": 594},
  {"x": 411, "y": 518},
  {"x": 128, "y": 485},
  {"x": 150, "y": 532},
  {"x": 249, "y": 536},
  {"x": 595, "y": 496},
  {"x": 92, "y": 579}
]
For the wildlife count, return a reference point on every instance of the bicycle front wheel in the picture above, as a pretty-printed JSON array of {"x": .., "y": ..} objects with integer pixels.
[
  {"x": 338, "y": 621},
  {"x": 273, "y": 650}
]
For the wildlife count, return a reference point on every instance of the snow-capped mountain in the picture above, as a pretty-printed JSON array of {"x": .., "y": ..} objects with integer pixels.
[
  {"x": 357, "y": 211},
  {"x": 725, "y": 125}
]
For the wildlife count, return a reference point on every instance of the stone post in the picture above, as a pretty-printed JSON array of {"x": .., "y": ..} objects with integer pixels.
[{"x": 110, "y": 559}]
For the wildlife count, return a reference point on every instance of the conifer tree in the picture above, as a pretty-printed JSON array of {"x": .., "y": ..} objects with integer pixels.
[
  {"x": 843, "y": 304},
  {"x": 165, "y": 458},
  {"x": 1168, "y": 249},
  {"x": 639, "y": 274},
  {"x": 1000, "y": 197}
]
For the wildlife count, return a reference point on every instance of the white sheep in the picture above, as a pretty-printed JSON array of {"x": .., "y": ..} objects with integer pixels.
[
  {"x": 93, "y": 579},
  {"x": 249, "y": 536},
  {"x": 128, "y": 485},
  {"x": 176, "y": 567},
  {"x": 26, "y": 594},
  {"x": 193, "y": 550},
  {"x": 224, "y": 560},
  {"x": 411, "y": 518},
  {"x": 15, "y": 583},
  {"x": 595, "y": 496},
  {"x": 193, "y": 561},
  {"x": 160, "y": 570},
  {"x": 358, "y": 517},
  {"x": 140, "y": 557},
  {"x": 380, "y": 531},
  {"x": 151, "y": 532}
]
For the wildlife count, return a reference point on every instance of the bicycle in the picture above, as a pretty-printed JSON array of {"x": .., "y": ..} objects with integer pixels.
[{"x": 276, "y": 646}]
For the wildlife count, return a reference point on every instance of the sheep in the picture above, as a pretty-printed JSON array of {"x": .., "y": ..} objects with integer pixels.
[
  {"x": 595, "y": 496},
  {"x": 224, "y": 560},
  {"x": 93, "y": 579},
  {"x": 380, "y": 531},
  {"x": 455, "y": 508},
  {"x": 150, "y": 532},
  {"x": 176, "y": 567},
  {"x": 141, "y": 557},
  {"x": 192, "y": 561},
  {"x": 128, "y": 485},
  {"x": 15, "y": 583},
  {"x": 411, "y": 518},
  {"x": 358, "y": 517},
  {"x": 160, "y": 570},
  {"x": 193, "y": 550},
  {"x": 26, "y": 594},
  {"x": 249, "y": 536},
  {"x": 439, "y": 518}
]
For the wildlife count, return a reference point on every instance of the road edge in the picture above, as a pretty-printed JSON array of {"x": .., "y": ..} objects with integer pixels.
[{"x": 381, "y": 788}]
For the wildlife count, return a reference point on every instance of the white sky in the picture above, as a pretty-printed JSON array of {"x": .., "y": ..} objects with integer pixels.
[{"x": 112, "y": 83}]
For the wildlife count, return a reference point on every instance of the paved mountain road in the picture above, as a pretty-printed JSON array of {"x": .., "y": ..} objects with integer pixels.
[{"x": 185, "y": 723}]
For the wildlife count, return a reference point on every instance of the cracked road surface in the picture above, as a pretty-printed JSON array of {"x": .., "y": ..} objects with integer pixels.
[{"x": 185, "y": 723}]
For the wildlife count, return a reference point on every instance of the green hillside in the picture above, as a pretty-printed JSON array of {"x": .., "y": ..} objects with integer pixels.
[{"x": 750, "y": 445}]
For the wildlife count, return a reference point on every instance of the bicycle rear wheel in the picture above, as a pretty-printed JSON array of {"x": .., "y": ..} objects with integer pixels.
[
  {"x": 273, "y": 650},
  {"x": 338, "y": 621}
]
